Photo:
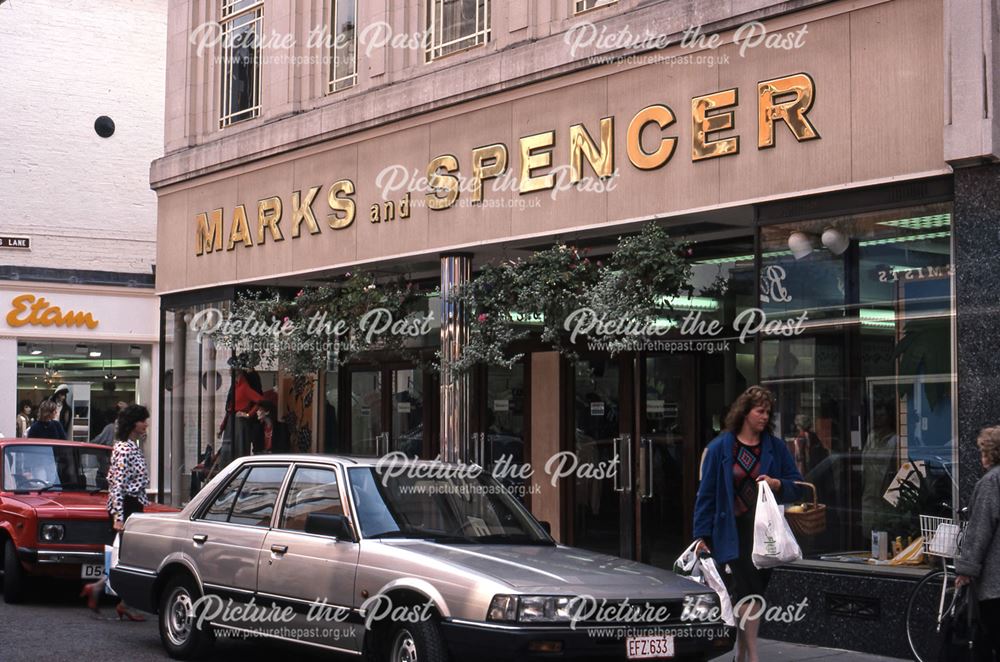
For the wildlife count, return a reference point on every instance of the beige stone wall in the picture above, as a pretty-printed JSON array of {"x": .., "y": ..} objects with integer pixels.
[{"x": 877, "y": 74}]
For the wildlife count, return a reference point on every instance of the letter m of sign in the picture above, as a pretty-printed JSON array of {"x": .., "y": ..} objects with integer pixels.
[{"x": 208, "y": 233}]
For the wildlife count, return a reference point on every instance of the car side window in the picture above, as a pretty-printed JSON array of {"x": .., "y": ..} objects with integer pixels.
[
  {"x": 255, "y": 501},
  {"x": 223, "y": 503},
  {"x": 312, "y": 490}
]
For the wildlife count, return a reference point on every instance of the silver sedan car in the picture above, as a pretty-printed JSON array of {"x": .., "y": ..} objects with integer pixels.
[{"x": 417, "y": 561}]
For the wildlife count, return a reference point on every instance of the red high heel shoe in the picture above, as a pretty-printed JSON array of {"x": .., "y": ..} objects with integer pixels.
[
  {"x": 92, "y": 592},
  {"x": 123, "y": 612}
]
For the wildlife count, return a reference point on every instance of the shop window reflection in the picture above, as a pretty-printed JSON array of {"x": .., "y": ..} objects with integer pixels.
[{"x": 870, "y": 371}]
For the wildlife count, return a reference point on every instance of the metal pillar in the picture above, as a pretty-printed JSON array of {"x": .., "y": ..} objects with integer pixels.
[
  {"x": 456, "y": 269},
  {"x": 177, "y": 412}
]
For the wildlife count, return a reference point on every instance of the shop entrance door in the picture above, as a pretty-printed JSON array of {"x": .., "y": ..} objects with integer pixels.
[
  {"x": 637, "y": 411},
  {"x": 387, "y": 410}
]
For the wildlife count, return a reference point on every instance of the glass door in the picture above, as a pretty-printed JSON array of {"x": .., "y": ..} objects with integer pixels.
[
  {"x": 366, "y": 412},
  {"x": 667, "y": 458},
  {"x": 599, "y": 438},
  {"x": 387, "y": 410}
]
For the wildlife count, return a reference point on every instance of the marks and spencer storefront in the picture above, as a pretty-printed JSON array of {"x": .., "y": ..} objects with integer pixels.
[{"x": 811, "y": 184}]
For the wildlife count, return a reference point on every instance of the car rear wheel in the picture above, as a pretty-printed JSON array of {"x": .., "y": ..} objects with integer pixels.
[
  {"x": 416, "y": 642},
  {"x": 13, "y": 575},
  {"x": 179, "y": 631}
]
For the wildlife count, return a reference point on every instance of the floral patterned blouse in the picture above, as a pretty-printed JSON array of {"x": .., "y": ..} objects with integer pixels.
[{"x": 126, "y": 477}]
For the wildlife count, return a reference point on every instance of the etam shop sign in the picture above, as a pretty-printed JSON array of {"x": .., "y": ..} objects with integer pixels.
[{"x": 649, "y": 145}]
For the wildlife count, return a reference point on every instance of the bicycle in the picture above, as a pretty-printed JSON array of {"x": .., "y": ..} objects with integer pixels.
[{"x": 934, "y": 597}]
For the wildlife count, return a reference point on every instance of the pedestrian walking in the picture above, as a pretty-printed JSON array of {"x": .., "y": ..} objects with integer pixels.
[
  {"x": 47, "y": 427},
  {"x": 128, "y": 479},
  {"x": 276, "y": 438},
  {"x": 978, "y": 563},
  {"x": 64, "y": 410},
  {"x": 745, "y": 453}
]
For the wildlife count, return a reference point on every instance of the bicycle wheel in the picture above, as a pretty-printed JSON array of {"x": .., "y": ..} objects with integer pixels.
[{"x": 923, "y": 615}]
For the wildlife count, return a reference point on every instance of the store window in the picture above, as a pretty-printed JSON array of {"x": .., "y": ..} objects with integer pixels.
[
  {"x": 454, "y": 25},
  {"x": 95, "y": 378},
  {"x": 241, "y": 23},
  {"x": 344, "y": 52},
  {"x": 586, "y": 5},
  {"x": 864, "y": 377}
]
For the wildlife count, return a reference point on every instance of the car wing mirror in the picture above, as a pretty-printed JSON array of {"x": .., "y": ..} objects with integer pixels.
[
  {"x": 547, "y": 527},
  {"x": 323, "y": 524}
]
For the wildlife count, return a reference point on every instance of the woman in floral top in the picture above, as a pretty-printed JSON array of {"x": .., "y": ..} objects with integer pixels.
[{"x": 128, "y": 477}]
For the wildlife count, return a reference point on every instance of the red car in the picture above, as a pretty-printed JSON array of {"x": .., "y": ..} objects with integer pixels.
[{"x": 53, "y": 511}]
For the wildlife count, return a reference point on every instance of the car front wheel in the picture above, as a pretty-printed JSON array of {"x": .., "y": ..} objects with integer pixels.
[
  {"x": 182, "y": 638},
  {"x": 416, "y": 642},
  {"x": 13, "y": 575}
]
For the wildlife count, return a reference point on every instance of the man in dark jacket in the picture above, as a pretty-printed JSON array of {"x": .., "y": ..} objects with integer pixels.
[{"x": 275, "y": 438}]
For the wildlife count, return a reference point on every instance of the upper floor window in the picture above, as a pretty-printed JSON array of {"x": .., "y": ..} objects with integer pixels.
[
  {"x": 344, "y": 66},
  {"x": 454, "y": 25},
  {"x": 585, "y": 5},
  {"x": 241, "y": 38}
]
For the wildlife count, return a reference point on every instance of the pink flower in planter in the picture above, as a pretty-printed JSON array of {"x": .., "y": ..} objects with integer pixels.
[{"x": 482, "y": 317}]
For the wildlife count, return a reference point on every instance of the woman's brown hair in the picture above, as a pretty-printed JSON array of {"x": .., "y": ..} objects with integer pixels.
[
  {"x": 755, "y": 396},
  {"x": 989, "y": 444},
  {"x": 47, "y": 410}
]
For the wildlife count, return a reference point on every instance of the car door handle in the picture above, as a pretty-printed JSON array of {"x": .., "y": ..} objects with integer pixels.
[
  {"x": 279, "y": 549},
  {"x": 199, "y": 539}
]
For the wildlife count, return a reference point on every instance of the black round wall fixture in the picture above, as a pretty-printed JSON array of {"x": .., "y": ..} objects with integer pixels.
[{"x": 104, "y": 126}]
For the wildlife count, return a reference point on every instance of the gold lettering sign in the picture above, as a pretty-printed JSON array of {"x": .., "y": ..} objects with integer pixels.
[
  {"x": 601, "y": 159},
  {"x": 302, "y": 211},
  {"x": 488, "y": 162},
  {"x": 208, "y": 236},
  {"x": 792, "y": 113},
  {"x": 531, "y": 162},
  {"x": 240, "y": 230},
  {"x": 787, "y": 99},
  {"x": 268, "y": 216},
  {"x": 704, "y": 124},
  {"x": 663, "y": 117},
  {"x": 344, "y": 208},
  {"x": 27, "y": 309},
  {"x": 444, "y": 187}
]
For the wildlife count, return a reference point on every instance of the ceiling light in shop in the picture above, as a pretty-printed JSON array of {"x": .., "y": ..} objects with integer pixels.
[
  {"x": 899, "y": 240},
  {"x": 134, "y": 350},
  {"x": 96, "y": 353},
  {"x": 34, "y": 350},
  {"x": 80, "y": 349},
  {"x": 920, "y": 222}
]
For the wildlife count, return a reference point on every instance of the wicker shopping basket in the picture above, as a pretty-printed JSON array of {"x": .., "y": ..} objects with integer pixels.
[{"x": 811, "y": 519}]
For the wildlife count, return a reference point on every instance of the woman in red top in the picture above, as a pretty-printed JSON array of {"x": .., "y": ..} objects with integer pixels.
[{"x": 247, "y": 431}]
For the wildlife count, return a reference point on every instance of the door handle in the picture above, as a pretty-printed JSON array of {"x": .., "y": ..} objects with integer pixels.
[
  {"x": 616, "y": 448},
  {"x": 646, "y": 469},
  {"x": 199, "y": 538},
  {"x": 279, "y": 549}
]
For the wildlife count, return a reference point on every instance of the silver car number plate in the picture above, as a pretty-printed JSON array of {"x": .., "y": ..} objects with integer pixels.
[
  {"x": 649, "y": 647},
  {"x": 92, "y": 571}
]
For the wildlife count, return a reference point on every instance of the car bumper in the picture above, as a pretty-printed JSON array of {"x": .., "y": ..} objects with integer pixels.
[
  {"x": 135, "y": 587},
  {"x": 49, "y": 556},
  {"x": 485, "y": 642}
]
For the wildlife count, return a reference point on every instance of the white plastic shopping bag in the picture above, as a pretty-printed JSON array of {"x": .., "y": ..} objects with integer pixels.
[
  {"x": 773, "y": 540},
  {"x": 686, "y": 562},
  {"x": 110, "y": 561},
  {"x": 707, "y": 572}
]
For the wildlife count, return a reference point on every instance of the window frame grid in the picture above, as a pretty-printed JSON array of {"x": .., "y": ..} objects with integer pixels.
[
  {"x": 227, "y": 22},
  {"x": 579, "y": 6},
  {"x": 479, "y": 37},
  {"x": 344, "y": 82}
]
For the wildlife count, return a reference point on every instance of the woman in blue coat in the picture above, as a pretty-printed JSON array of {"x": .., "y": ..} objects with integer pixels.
[{"x": 735, "y": 461}]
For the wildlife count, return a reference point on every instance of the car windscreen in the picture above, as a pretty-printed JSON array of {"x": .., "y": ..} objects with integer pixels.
[
  {"x": 39, "y": 467},
  {"x": 455, "y": 508}
]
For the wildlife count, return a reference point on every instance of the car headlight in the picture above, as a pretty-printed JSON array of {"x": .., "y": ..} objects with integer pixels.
[
  {"x": 52, "y": 532},
  {"x": 530, "y": 608},
  {"x": 702, "y": 607}
]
